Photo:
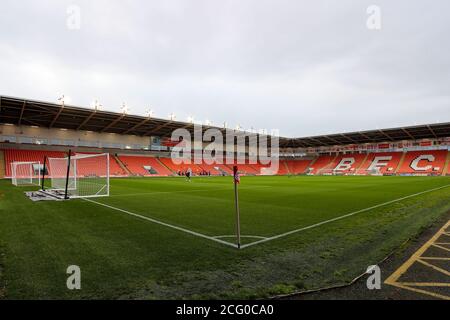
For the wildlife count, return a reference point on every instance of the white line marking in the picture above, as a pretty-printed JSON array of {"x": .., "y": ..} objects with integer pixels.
[
  {"x": 164, "y": 224},
  {"x": 340, "y": 217},
  {"x": 234, "y": 236},
  {"x": 216, "y": 239}
]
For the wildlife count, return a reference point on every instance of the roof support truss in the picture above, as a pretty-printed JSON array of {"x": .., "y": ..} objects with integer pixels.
[
  {"x": 386, "y": 135},
  {"x": 158, "y": 128},
  {"x": 21, "y": 113},
  {"x": 86, "y": 120},
  {"x": 56, "y": 116},
  {"x": 112, "y": 124},
  {"x": 140, "y": 124}
]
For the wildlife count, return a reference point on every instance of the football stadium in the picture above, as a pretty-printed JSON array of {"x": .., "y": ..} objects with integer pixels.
[
  {"x": 105, "y": 193},
  {"x": 207, "y": 158}
]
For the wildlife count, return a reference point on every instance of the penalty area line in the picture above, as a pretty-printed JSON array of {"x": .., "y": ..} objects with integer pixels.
[
  {"x": 341, "y": 217},
  {"x": 197, "y": 234}
]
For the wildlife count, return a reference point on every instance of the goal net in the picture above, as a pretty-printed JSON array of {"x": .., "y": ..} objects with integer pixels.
[
  {"x": 83, "y": 176},
  {"x": 367, "y": 172},
  {"x": 25, "y": 173}
]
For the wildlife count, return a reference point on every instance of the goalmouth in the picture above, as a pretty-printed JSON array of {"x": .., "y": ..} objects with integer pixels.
[
  {"x": 26, "y": 173},
  {"x": 78, "y": 176}
]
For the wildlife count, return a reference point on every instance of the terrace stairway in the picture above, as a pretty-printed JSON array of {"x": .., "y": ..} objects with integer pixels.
[
  {"x": 121, "y": 165},
  {"x": 446, "y": 167},
  {"x": 400, "y": 163},
  {"x": 164, "y": 165},
  {"x": 287, "y": 167},
  {"x": 362, "y": 163},
  {"x": 2, "y": 164}
]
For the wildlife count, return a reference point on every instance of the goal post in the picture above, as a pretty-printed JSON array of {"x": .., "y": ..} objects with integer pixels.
[
  {"x": 80, "y": 176},
  {"x": 26, "y": 173}
]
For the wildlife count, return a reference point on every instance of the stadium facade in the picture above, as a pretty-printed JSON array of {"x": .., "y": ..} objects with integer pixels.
[{"x": 141, "y": 146}]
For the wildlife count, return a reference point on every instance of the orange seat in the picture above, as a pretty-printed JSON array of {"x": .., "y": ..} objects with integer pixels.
[
  {"x": 12, "y": 155},
  {"x": 136, "y": 165},
  {"x": 424, "y": 162}
]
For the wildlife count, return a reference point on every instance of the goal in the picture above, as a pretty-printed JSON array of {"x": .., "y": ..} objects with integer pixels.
[
  {"x": 367, "y": 172},
  {"x": 80, "y": 176},
  {"x": 25, "y": 173}
]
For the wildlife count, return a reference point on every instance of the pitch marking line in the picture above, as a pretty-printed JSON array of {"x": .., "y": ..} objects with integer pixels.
[
  {"x": 341, "y": 217},
  {"x": 216, "y": 239},
  {"x": 242, "y": 236},
  {"x": 201, "y": 235},
  {"x": 417, "y": 257}
]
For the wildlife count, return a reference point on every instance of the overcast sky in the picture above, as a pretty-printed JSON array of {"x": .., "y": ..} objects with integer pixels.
[{"x": 303, "y": 67}]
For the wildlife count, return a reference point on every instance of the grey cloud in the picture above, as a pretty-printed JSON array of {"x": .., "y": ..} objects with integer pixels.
[{"x": 301, "y": 66}]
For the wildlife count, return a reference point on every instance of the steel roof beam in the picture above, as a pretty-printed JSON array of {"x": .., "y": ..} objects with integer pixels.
[
  {"x": 86, "y": 120},
  {"x": 113, "y": 123}
]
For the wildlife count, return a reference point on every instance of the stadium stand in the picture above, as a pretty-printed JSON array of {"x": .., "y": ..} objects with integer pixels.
[
  {"x": 212, "y": 168},
  {"x": 118, "y": 166},
  {"x": 12, "y": 155},
  {"x": 115, "y": 169},
  {"x": 2, "y": 164},
  {"x": 137, "y": 165},
  {"x": 385, "y": 162},
  {"x": 225, "y": 169},
  {"x": 423, "y": 162},
  {"x": 283, "y": 169},
  {"x": 434, "y": 162},
  {"x": 246, "y": 169},
  {"x": 400, "y": 163},
  {"x": 447, "y": 165},
  {"x": 180, "y": 167},
  {"x": 348, "y": 163},
  {"x": 263, "y": 169},
  {"x": 297, "y": 166},
  {"x": 322, "y": 163}
]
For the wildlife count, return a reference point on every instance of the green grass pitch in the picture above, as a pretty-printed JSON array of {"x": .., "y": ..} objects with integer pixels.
[{"x": 299, "y": 233}]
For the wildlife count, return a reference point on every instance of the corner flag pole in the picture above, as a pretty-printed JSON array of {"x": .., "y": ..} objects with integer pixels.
[{"x": 236, "y": 202}]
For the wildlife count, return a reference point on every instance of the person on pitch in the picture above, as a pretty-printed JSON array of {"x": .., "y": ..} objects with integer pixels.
[{"x": 189, "y": 174}]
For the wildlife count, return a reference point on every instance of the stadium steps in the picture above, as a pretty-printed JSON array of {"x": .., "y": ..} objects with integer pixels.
[
  {"x": 165, "y": 166},
  {"x": 311, "y": 164},
  {"x": 2, "y": 164},
  {"x": 400, "y": 163},
  {"x": 287, "y": 168},
  {"x": 313, "y": 161},
  {"x": 446, "y": 167},
  {"x": 362, "y": 163},
  {"x": 329, "y": 166},
  {"x": 255, "y": 167},
  {"x": 121, "y": 165}
]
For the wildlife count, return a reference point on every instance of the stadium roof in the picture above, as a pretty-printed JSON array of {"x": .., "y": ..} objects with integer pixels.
[
  {"x": 428, "y": 131},
  {"x": 20, "y": 111}
]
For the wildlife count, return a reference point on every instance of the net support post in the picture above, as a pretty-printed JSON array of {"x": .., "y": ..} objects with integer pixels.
[
  {"x": 66, "y": 196},
  {"x": 44, "y": 168}
]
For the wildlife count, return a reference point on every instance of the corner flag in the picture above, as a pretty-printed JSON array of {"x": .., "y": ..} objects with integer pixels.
[
  {"x": 237, "y": 178},
  {"x": 237, "y": 181}
]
